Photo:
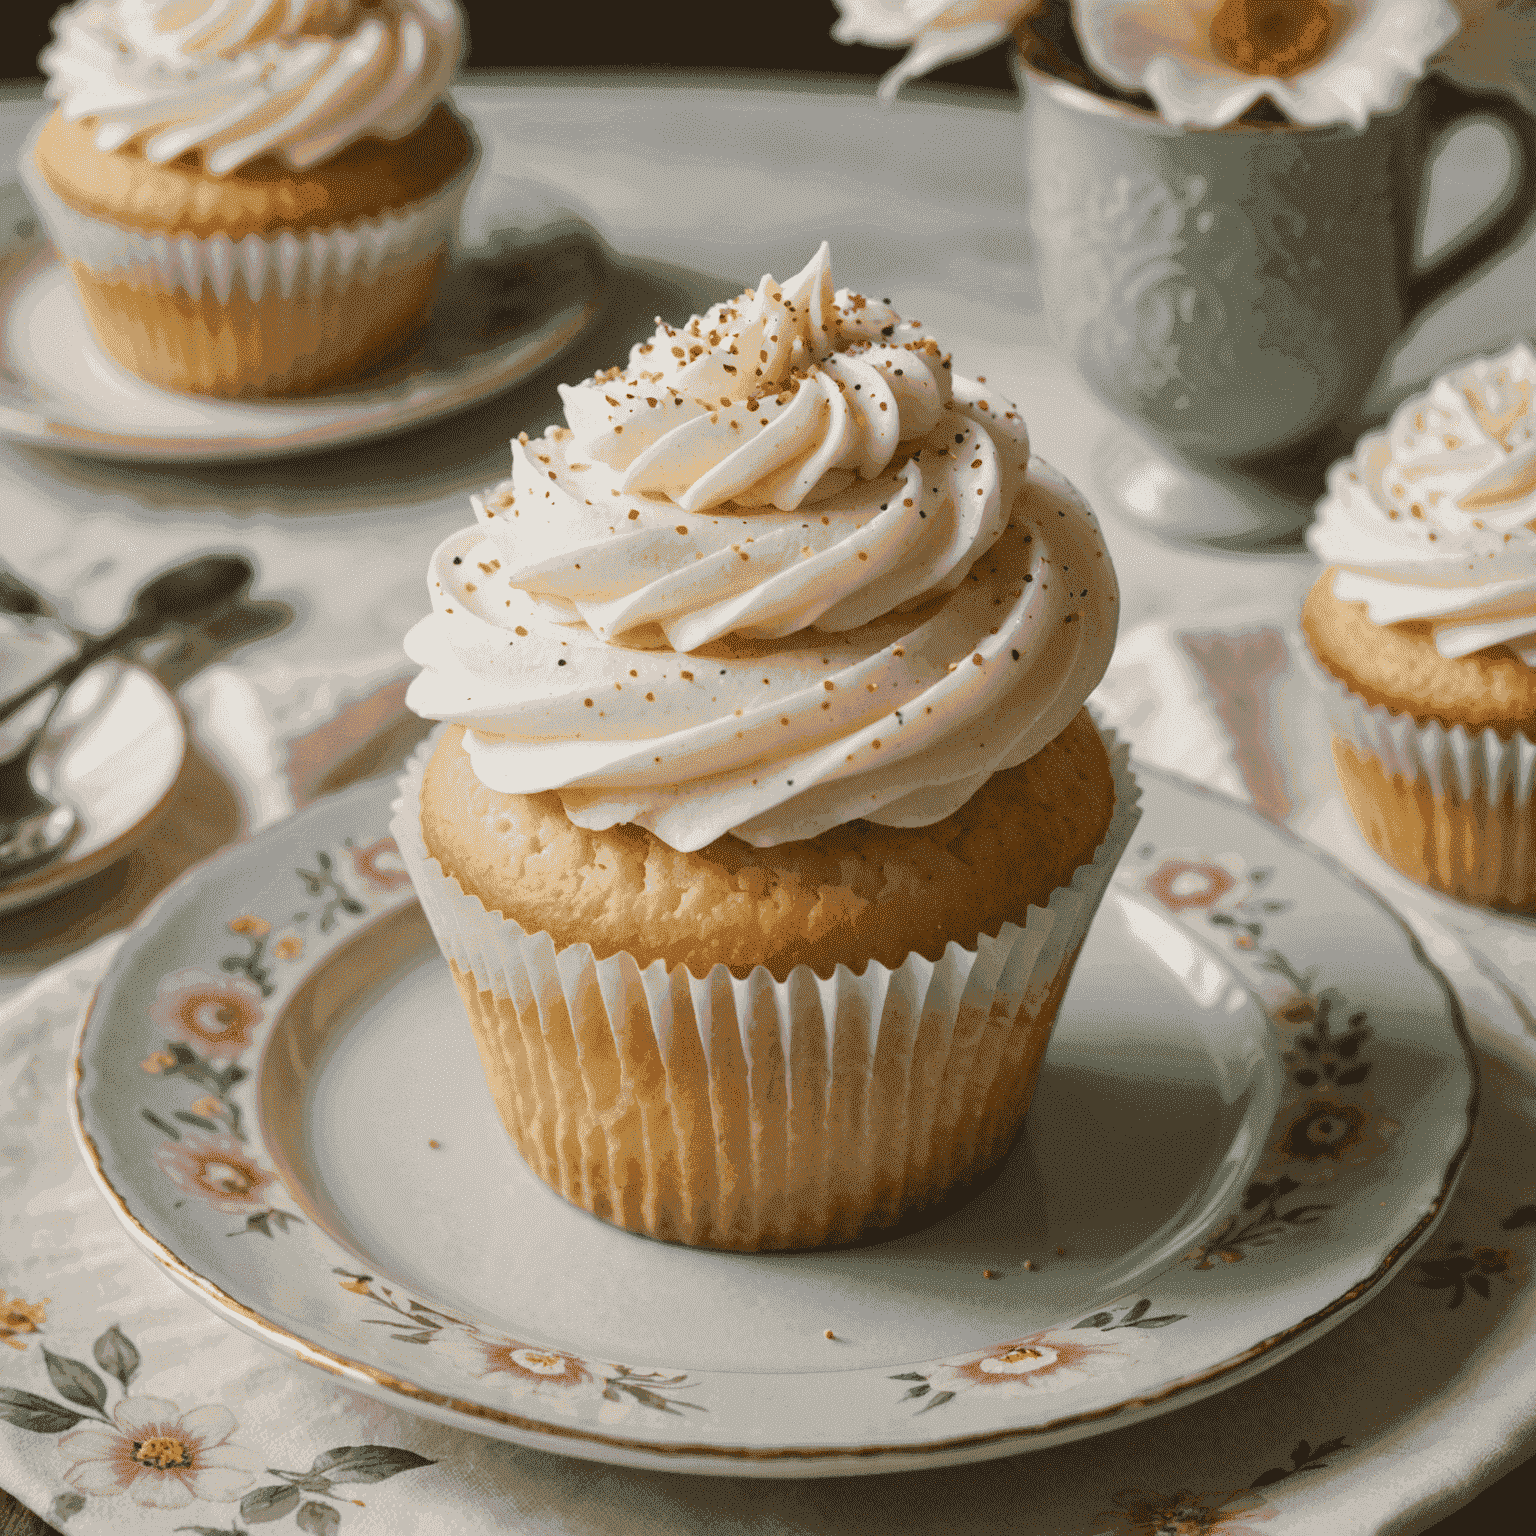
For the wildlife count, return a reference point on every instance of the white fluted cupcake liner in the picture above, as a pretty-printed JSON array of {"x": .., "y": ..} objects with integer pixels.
[
  {"x": 290, "y": 262},
  {"x": 300, "y": 303},
  {"x": 1449, "y": 807},
  {"x": 751, "y": 1113}
]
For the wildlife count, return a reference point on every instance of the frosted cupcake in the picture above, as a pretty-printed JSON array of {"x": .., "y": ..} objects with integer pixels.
[
  {"x": 1424, "y": 625},
  {"x": 768, "y": 821},
  {"x": 253, "y": 197}
]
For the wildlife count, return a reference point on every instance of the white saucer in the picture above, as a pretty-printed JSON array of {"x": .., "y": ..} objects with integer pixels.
[
  {"x": 117, "y": 771},
  {"x": 529, "y": 279},
  {"x": 280, "y": 1097}
]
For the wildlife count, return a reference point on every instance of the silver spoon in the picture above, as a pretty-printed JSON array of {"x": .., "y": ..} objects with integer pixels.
[
  {"x": 39, "y": 828},
  {"x": 18, "y": 598},
  {"x": 35, "y": 828}
]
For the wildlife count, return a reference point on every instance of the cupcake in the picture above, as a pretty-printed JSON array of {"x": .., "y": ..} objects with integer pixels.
[
  {"x": 1423, "y": 628},
  {"x": 253, "y": 197},
  {"x": 767, "y": 821}
]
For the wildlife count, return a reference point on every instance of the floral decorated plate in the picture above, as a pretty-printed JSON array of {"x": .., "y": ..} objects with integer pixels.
[
  {"x": 528, "y": 280},
  {"x": 1253, "y": 1110}
]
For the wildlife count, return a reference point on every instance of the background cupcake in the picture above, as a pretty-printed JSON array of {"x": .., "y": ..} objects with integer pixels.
[
  {"x": 1425, "y": 628},
  {"x": 252, "y": 196},
  {"x": 769, "y": 823}
]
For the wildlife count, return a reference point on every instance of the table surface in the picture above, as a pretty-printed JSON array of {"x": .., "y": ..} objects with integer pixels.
[{"x": 701, "y": 186}]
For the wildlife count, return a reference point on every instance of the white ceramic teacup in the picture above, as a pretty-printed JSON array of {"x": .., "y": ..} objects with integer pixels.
[{"x": 1234, "y": 291}]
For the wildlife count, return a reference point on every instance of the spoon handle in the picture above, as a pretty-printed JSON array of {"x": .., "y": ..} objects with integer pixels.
[
  {"x": 68, "y": 671},
  {"x": 192, "y": 592},
  {"x": 18, "y": 598}
]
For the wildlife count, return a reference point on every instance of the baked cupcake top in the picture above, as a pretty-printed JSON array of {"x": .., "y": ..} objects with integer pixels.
[
  {"x": 1434, "y": 520},
  {"x": 782, "y": 572},
  {"x": 236, "y": 80}
]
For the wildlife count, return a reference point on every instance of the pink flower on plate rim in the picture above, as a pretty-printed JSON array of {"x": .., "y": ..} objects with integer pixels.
[
  {"x": 217, "y": 1169},
  {"x": 1206, "y": 62},
  {"x": 1053, "y": 1360},
  {"x": 379, "y": 864},
  {"x": 530, "y": 1367},
  {"x": 213, "y": 1014},
  {"x": 563, "y": 1381},
  {"x": 1183, "y": 883},
  {"x": 161, "y": 1457},
  {"x": 1327, "y": 1132}
]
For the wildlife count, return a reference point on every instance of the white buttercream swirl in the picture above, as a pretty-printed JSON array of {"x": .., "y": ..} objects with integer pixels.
[
  {"x": 1435, "y": 518},
  {"x": 239, "y": 79},
  {"x": 781, "y": 573}
]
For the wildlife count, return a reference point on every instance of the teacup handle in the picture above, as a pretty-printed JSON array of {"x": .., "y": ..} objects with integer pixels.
[{"x": 1447, "y": 105}]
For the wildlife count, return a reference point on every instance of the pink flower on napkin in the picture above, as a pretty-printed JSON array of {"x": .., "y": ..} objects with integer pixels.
[
  {"x": 160, "y": 1456},
  {"x": 1186, "y": 1514},
  {"x": 20, "y": 1317}
]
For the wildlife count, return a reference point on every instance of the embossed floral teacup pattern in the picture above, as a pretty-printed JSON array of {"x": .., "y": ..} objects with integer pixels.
[
  {"x": 1165, "y": 291},
  {"x": 1235, "y": 292}
]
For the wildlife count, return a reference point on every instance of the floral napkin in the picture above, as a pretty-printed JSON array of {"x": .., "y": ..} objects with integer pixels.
[{"x": 126, "y": 1406}]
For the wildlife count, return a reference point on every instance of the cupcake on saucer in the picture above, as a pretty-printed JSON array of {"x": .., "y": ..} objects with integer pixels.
[
  {"x": 1423, "y": 627},
  {"x": 253, "y": 197},
  {"x": 768, "y": 821}
]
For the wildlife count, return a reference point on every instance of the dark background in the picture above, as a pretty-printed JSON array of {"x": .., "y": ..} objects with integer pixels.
[{"x": 686, "y": 34}]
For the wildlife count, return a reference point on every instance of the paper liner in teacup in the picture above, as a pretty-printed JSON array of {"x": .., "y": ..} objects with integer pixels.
[
  {"x": 749, "y": 1113},
  {"x": 273, "y": 313},
  {"x": 1448, "y": 807}
]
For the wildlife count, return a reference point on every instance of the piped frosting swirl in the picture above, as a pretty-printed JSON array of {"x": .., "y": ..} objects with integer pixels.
[
  {"x": 1435, "y": 518},
  {"x": 781, "y": 572},
  {"x": 239, "y": 79}
]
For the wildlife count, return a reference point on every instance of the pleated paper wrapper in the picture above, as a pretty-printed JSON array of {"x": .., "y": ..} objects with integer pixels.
[
  {"x": 1448, "y": 807},
  {"x": 269, "y": 314},
  {"x": 755, "y": 1114}
]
